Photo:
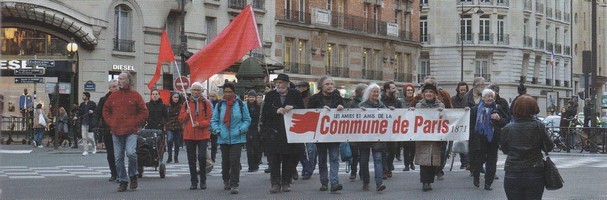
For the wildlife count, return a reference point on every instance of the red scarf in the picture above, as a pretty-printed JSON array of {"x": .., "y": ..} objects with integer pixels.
[{"x": 228, "y": 114}]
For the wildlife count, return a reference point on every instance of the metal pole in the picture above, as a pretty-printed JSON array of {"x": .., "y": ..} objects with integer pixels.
[
  {"x": 461, "y": 41},
  {"x": 184, "y": 40},
  {"x": 593, "y": 94}
]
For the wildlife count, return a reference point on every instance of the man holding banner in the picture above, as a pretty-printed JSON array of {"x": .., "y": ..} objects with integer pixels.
[{"x": 326, "y": 98}]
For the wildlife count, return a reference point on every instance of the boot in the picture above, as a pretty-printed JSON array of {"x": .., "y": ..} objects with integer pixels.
[
  {"x": 176, "y": 160},
  {"x": 133, "y": 182},
  {"x": 365, "y": 186},
  {"x": 336, "y": 187},
  {"x": 170, "y": 159},
  {"x": 476, "y": 182},
  {"x": 406, "y": 168},
  {"x": 122, "y": 186},
  {"x": 426, "y": 187},
  {"x": 275, "y": 189}
]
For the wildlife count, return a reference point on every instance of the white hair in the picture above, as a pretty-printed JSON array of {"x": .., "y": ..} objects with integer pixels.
[
  {"x": 487, "y": 91},
  {"x": 109, "y": 83},
  {"x": 367, "y": 93},
  {"x": 198, "y": 84}
]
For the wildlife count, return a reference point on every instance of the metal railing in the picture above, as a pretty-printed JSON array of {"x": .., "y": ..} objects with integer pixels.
[
  {"x": 549, "y": 12},
  {"x": 295, "y": 16},
  {"x": 486, "y": 76},
  {"x": 237, "y": 4},
  {"x": 527, "y": 41},
  {"x": 467, "y": 38},
  {"x": 503, "y": 39},
  {"x": 406, "y": 36},
  {"x": 485, "y": 2},
  {"x": 565, "y": 83},
  {"x": 503, "y": 3},
  {"x": 567, "y": 17},
  {"x": 297, "y": 68},
  {"x": 558, "y": 14},
  {"x": 549, "y": 46},
  {"x": 340, "y": 72},
  {"x": 548, "y": 82},
  {"x": 124, "y": 45},
  {"x": 558, "y": 49},
  {"x": 403, "y": 77},
  {"x": 259, "y": 4},
  {"x": 373, "y": 75},
  {"x": 534, "y": 80},
  {"x": 539, "y": 44},
  {"x": 486, "y": 38},
  {"x": 557, "y": 83},
  {"x": 364, "y": 25},
  {"x": 567, "y": 50},
  {"x": 424, "y": 38}
]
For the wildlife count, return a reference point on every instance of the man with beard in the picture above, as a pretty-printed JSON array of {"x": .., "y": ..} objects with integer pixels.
[
  {"x": 473, "y": 97},
  {"x": 391, "y": 101},
  {"x": 326, "y": 98},
  {"x": 459, "y": 101}
]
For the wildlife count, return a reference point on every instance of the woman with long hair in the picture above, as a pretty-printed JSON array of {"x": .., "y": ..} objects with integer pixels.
[
  {"x": 523, "y": 141},
  {"x": 39, "y": 125},
  {"x": 371, "y": 99},
  {"x": 408, "y": 147},
  {"x": 174, "y": 128}
]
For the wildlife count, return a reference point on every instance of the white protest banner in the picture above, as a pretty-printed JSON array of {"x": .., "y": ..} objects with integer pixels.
[{"x": 356, "y": 125}]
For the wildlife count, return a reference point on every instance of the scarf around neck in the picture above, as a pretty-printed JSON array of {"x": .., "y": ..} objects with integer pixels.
[
  {"x": 483, "y": 120},
  {"x": 228, "y": 114}
]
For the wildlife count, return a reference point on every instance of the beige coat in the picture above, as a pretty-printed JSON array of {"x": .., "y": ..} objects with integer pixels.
[
  {"x": 427, "y": 153},
  {"x": 36, "y": 122}
]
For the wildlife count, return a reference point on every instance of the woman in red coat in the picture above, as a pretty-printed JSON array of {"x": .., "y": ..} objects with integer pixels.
[{"x": 196, "y": 116}]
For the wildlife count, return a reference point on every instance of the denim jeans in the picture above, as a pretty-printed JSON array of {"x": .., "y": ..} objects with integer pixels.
[
  {"x": 310, "y": 164},
  {"x": 38, "y": 135},
  {"x": 364, "y": 165},
  {"x": 197, "y": 151},
  {"x": 125, "y": 143},
  {"x": 174, "y": 138},
  {"x": 524, "y": 185},
  {"x": 230, "y": 163},
  {"x": 333, "y": 150}
]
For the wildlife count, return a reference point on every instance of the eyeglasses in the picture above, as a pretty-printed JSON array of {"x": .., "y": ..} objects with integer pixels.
[{"x": 409, "y": 89}]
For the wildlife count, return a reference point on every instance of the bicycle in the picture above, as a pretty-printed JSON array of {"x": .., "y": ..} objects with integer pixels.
[
  {"x": 558, "y": 141},
  {"x": 579, "y": 140}
]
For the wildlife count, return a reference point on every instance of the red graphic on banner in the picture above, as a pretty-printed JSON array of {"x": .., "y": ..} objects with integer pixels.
[{"x": 303, "y": 123}]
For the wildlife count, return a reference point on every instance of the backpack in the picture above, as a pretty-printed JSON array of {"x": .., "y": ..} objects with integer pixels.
[{"x": 239, "y": 105}]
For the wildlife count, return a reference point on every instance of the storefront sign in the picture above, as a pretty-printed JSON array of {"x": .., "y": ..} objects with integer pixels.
[
  {"x": 123, "y": 67},
  {"x": 41, "y": 63},
  {"x": 89, "y": 86},
  {"x": 372, "y": 125},
  {"x": 62, "y": 87},
  {"x": 29, "y": 80},
  {"x": 29, "y": 71},
  {"x": 17, "y": 64}
]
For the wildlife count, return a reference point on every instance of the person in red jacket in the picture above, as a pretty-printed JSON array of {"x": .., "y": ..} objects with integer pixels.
[
  {"x": 196, "y": 116},
  {"x": 125, "y": 112}
]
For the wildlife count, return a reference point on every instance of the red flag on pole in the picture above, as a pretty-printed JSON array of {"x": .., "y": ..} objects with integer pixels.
[
  {"x": 239, "y": 37},
  {"x": 165, "y": 54}
]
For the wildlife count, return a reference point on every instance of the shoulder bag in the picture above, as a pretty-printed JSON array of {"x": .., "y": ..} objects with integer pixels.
[{"x": 552, "y": 177}]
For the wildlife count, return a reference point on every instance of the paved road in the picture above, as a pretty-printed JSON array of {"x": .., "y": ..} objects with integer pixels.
[{"x": 65, "y": 174}]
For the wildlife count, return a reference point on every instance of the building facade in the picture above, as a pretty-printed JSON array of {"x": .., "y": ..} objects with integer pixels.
[
  {"x": 352, "y": 41},
  {"x": 113, "y": 36},
  {"x": 506, "y": 42}
]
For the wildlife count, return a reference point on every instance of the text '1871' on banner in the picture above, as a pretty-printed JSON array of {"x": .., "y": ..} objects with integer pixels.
[{"x": 372, "y": 125}]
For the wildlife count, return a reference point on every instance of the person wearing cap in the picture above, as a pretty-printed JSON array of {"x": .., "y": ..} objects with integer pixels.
[
  {"x": 428, "y": 153},
  {"x": 252, "y": 145},
  {"x": 308, "y": 162},
  {"x": 85, "y": 114},
  {"x": 278, "y": 102}
]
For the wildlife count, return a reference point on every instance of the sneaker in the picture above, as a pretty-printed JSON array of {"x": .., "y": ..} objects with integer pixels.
[
  {"x": 324, "y": 187},
  {"x": 94, "y": 151},
  {"x": 122, "y": 186},
  {"x": 380, "y": 187},
  {"x": 336, "y": 187},
  {"x": 34, "y": 144},
  {"x": 226, "y": 185},
  {"x": 133, "y": 182},
  {"x": 234, "y": 190},
  {"x": 267, "y": 171},
  {"x": 40, "y": 146},
  {"x": 193, "y": 187},
  {"x": 286, "y": 188},
  {"x": 365, "y": 187},
  {"x": 86, "y": 153},
  {"x": 275, "y": 189},
  {"x": 306, "y": 177},
  {"x": 352, "y": 177},
  {"x": 113, "y": 178},
  {"x": 389, "y": 174}
]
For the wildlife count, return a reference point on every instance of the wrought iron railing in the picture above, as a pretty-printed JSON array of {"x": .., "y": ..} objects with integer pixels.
[
  {"x": 295, "y": 16},
  {"x": 548, "y": 82},
  {"x": 403, "y": 77},
  {"x": 486, "y": 38},
  {"x": 527, "y": 41},
  {"x": 466, "y": 38},
  {"x": 558, "y": 14},
  {"x": 567, "y": 17},
  {"x": 567, "y": 50},
  {"x": 539, "y": 44},
  {"x": 124, "y": 45},
  {"x": 424, "y": 38},
  {"x": 558, "y": 49},
  {"x": 297, "y": 68},
  {"x": 373, "y": 75},
  {"x": 503, "y": 3},
  {"x": 549, "y": 46},
  {"x": 503, "y": 39},
  {"x": 486, "y": 76}
]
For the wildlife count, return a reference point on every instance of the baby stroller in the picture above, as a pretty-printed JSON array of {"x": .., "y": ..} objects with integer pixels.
[{"x": 150, "y": 148}]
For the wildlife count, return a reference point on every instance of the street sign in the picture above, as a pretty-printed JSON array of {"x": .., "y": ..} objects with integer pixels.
[
  {"x": 89, "y": 86},
  {"x": 41, "y": 63},
  {"x": 29, "y": 71},
  {"x": 29, "y": 80},
  {"x": 182, "y": 83}
]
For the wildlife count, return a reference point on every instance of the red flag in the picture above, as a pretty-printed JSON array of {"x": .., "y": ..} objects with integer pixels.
[
  {"x": 239, "y": 37},
  {"x": 165, "y": 54}
]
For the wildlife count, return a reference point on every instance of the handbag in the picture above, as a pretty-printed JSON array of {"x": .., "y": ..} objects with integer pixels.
[
  {"x": 41, "y": 119},
  {"x": 460, "y": 146},
  {"x": 552, "y": 177}
]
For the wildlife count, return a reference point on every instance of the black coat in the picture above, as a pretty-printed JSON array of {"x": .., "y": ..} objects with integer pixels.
[
  {"x": 158, "y": 115},
  {"x": 523, "y": 141},
  {"x": 475, "y": 138},
  {"x": 318, "y": 100},
  {"x": 274, "y": 137},
  {"x": 98, "y": 121},
  {"x": 83, "y": 112}
]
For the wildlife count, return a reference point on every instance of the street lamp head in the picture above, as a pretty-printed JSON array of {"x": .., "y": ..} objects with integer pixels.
[{"x": 72, "y": 47}]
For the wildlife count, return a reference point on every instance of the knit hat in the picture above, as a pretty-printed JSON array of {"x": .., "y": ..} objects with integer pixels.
[
  {"x": 252, "y": 93},
  {"x": 429, "y": 87}
]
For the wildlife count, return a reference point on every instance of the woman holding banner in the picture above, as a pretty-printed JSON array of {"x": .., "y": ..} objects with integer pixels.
[
  {"x": 371, "y": 100},
  {"x": 408, "y": 147},
  {"x": 428, "y": 153}
]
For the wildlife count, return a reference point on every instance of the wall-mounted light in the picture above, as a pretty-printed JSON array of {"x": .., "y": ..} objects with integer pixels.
[{"x": 72, "y": 48}]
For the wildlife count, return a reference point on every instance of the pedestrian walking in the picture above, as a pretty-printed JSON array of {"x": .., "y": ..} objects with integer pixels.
[
  {"x": 62, "y": 126},
  {"x": 253, "y": 144},
  {"x": 231, "y": 121},
  {"x": 214, "y": 101},
  {"x": 174, "y": 127},
  {"x": 125, "y": 113},
  {"x": 390, "y": 99},
  {"x": 459, "y": 101},
  {"x": 326, "y": 98},
  {"x": 195, "y": 115},
  {"x": 409, "y": 146},
  {"x": 371, "y": 99},
  {"x": 486, "y": 121},
  {"x": 41, "y": 122},
  {"x": 104, "y": 129},
  {"x": 473, "y": 97},
  {"x": 307, "y": 165},
  {"x": 428, "y": 153},
  {"x": 354, "y": 147},
  {"x": 75, "y": 126},
  {"x": 278, "y": 102},
  {"x": 85, "y": 115},
  {"x": 158, "y": 113},
  {"x": 523, "y": 141}
]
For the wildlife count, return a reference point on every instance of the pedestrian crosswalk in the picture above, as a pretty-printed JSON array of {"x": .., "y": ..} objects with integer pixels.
[{"x": 179, "y": 170}]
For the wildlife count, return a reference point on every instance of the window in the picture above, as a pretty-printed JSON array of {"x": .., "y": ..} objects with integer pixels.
[
  {"x": 122, "y": 32},
  {"x": 484, "y": 28},
  {"x": 423, "y": 28},
  {"x": 343, "y": 56},
  {"x": 260, "y": 31},
  {"x": 424, "y": 67},
  {"x": 341, "y": 5},
  {"x": 329, "y": 58},
  {"x": 301, "y": 52},
  {"x": 483, "y": 67},
  {"x": 302, "y": 10},
  {"x": 536, "y": 69},
  {"x": 288, "y": 9},
  {"x": 330, "y": 5},
  {"x": 211, "y": 28},
  {"x": 173, "y": 27},
  {"x": 376, "y": 61},
  {"x": 366, "y": 17},
  {"x": 465, "y": 1},
  {"x": 288, "y": 48},
  {"x": 466, "y": 28},
  {"x": 500, "y": 29},
  {"x": 556, "y": 36},
  {"x": 365, "y": 64}
]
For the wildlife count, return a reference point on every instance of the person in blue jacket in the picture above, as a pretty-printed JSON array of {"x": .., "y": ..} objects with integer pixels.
[{"x": 231, "y": 121}]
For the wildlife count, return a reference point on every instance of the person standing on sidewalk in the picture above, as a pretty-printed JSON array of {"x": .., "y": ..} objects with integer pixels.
[
  {"x": 85, "y": 114},
  {"x": 326, "y": 98},
  {"x": 104, "y": 128},
  {"x": 231, "y": 121},
  {"x": 125, "y": 113},
  {"x": 174, "y": 128},
  {"x": 196, "y": 116}
]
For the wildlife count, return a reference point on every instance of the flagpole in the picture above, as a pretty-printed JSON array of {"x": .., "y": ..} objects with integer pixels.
[{"x": 184, "y": 94}]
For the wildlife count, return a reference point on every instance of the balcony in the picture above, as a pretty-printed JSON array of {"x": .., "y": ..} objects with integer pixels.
[
  {"x": 534, "y": 80},
  {"x": 340, "y": 72},
  {"x": 527, "y": 41},
  {"x": 403, "y": 77},
  {"x": 567, "y": 50},
  {"x": 124, "y": 45},
  {"x": 539, "y": 44},
  {"x": 424, "y": 38},
  {"x": 295, "y": 16},
  {"x": 559, "y": 49},
  {"x": 503, "y": 3},
  {"x": 297, "y": 68},
  {"x": 549, "y": 46},
  {"x": 486, "y": 76},
  {"x": 241, "y": 4},
  {"x": 548, "y": 82},
  {"x": 565, "y": 83},
  {"x": 558, "y": 14},
  {"x": 549, "y": 12},
  {"x": 406, "y": 36},
  {"x": 539, "y": 7},
  {"x": 567, "y": 17},
  {"x": 486, "y": 38},
  {"x": 485, "y": 2},
  {"x": 359, "y": 24},
  {"x": 466, "y": 38},
  {"x": 528, "y": 5},
  {"x": 557, "y": 83},
  {"x": 373, "y": 75},
  {"x": 503, "y": 39}
]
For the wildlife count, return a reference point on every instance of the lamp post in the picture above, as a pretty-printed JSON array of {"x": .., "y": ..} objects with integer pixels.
[
  {"x": 461, "y": 35},
  {"x": 72, "y": 50}
]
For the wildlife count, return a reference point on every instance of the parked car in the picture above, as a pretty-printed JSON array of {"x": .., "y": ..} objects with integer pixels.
[{"x": 552, "y": 122}]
